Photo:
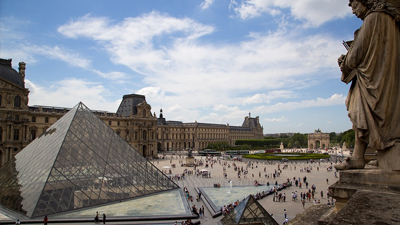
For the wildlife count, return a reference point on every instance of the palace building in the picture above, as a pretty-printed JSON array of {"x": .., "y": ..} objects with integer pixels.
[{"x": 134, "y": 122}]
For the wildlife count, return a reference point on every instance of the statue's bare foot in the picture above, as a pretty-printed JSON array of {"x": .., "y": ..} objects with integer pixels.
[{"x": 350, "y": 163}]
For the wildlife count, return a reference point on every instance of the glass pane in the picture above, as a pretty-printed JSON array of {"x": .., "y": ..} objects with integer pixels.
[{"x": 78, "y": 162}]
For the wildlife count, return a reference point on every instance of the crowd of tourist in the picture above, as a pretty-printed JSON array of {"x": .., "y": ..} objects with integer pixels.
[{"x": 249, "y": 170}]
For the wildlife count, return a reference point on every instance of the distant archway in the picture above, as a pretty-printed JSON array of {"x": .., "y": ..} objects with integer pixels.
[
  {"x": 317, "y": 143},
  {"x": 159, "y": 147},
  {"x": 145, "y": 151},
  {"x": 318, "y": 140}
]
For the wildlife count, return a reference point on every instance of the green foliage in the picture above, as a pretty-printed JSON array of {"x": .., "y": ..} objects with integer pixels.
[
  {"x": 290, "y": 156},
  {"x": 218, "y": 145},
  {"x": 348, "y": 137},
  {"x": 260, "y": 142},
  {"x": 298, "y": 141},
  {"x": 332, "y": 136},
  {"x": 269, "y": 137}
]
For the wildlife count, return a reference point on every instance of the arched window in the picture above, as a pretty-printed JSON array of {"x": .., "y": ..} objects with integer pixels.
[{"x": 17, "y": 101}]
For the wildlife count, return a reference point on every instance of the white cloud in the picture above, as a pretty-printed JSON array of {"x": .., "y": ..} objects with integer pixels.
[
  {"x": 281, "y": 119},
  {"x": 266, "y": 98},
  {"x": 206, "y": 3},
  {"x": 115, "y": 75},
  {"x": 183, "y": 74},
  {"x": 70, "y": 57},
  {"x": 313, "y": 12},
  {"x": 93, "y": 27},
  {"x": 209, "y": 117},
  {"x": 336, "y": 99},
  {"x": 222, "y": 107},
  {"x": 72, "y": 91},
  {"x": 59, "y": 53}
]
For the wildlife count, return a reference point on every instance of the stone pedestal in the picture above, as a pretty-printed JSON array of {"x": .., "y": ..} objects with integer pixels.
[
  {"x": 367, "y": 196},
  {"x": 190, "y": 161},
  {"x": 389, "y": 160}
]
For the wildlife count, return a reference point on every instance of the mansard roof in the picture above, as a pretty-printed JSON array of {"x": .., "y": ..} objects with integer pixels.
[
  {"x": 129, "y": 104},
  {"x": 10, "y": 74}
]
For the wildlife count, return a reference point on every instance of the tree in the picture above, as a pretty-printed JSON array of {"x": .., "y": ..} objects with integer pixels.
[
  {"x": 217, "y": 145},
  {"x": 301, "y": 139},
  {"x": 348, "y": 137}
]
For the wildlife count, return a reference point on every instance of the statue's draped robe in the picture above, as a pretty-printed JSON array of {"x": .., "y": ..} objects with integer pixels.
[{"x": 373, "y": 102}]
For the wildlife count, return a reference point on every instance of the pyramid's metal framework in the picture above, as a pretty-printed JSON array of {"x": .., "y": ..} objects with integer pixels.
[
  {"x": 249, "y": 211},
  {"x": 78, "y": 162}
]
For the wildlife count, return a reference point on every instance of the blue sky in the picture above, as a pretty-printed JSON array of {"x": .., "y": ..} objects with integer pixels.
[{"x": 211, "y": 61}]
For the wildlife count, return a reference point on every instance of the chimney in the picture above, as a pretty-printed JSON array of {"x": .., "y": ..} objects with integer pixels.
[{"x": 22, "y": 69}]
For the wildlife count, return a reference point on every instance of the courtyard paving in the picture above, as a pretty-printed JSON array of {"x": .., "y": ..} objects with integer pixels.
[
  {"x": 322, "y": 178},
  {"x": 319, "y": 175}
]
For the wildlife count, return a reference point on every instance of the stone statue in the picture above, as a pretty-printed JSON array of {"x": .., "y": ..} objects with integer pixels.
[
  {"x": 372, "y": 64},
  {"x": 190, "y": 153}
]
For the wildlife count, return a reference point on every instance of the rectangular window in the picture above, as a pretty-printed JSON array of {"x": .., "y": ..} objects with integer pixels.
[
  {"x": 33, "y": 119},
  {"x": 16, "y": 134},
  {"x": 46, "y": 119},
  {"x": 33, "y": 134}
]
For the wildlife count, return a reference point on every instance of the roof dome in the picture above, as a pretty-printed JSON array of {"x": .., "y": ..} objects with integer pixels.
[{"x": 10, "y": 74}]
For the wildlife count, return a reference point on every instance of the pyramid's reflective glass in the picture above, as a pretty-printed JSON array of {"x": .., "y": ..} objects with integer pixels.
[
  {"x": 78, "y": 162},
  {"x": 249, "y": 211}
]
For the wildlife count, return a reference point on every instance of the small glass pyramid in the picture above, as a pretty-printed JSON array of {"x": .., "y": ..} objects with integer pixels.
[
  {"x": 249, "y": 211},
  {"x": 78, "y": 162}
]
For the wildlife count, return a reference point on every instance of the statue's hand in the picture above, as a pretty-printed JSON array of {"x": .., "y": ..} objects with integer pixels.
[{"x": 340, "y": 60}]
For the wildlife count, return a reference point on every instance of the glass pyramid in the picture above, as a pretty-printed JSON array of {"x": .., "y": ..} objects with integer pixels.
[
  {"x": 249, "y": 211},
  {"x": 78, "y": 162}
]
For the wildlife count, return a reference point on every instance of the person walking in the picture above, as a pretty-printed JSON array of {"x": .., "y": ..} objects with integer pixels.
[
  {"x": 104, "y": 218},
  {"x": 45, "y": 220},
  {"x": 96, "y": 218}
]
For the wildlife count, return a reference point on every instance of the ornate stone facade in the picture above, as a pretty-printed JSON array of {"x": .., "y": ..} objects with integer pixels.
[
  {"x": 318, "y": 140},
  {"x": 133, "y": 121}
]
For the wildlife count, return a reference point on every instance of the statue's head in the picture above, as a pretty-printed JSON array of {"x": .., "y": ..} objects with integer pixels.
[
  {"x": 391, "y": 7},
  {"x": 360, "y": 8}
]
